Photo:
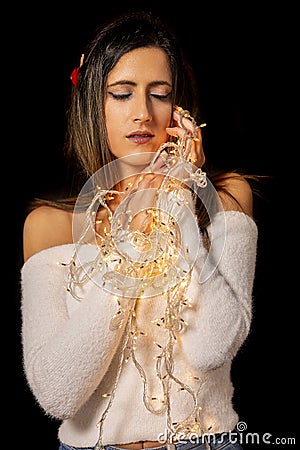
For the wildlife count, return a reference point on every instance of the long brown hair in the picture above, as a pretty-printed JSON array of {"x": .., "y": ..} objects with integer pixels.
[{"x": 86, "y": 144}]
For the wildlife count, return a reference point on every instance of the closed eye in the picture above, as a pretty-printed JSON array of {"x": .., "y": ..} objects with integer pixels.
[
  {"x": 120, "y": 96},
  {"x": 162, "y": 97}
]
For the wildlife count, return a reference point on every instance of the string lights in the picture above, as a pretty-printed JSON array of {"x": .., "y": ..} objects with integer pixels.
[{"x": 133, "y": 264}]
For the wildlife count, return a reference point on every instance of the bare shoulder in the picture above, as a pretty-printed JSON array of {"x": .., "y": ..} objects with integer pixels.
[
  {"x": 46, "y": 227},
  {"x": 237, "y": 193}
]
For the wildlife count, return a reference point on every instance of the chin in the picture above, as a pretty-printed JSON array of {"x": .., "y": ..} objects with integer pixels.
[{"x": 137, "y": 159}]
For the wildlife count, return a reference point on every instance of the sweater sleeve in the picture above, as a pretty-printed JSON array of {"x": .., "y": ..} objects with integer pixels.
[
  {"x": 65, "y": 354},
  {"x": 221, "y": 292}
]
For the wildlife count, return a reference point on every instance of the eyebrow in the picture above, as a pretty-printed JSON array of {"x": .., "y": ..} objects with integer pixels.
[{"x": 131, "y": 83}]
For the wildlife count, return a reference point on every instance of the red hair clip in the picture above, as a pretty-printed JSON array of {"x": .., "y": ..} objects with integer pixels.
[
  {"x": 74, "y": 76},
  {"x": 75, "y": 72}
]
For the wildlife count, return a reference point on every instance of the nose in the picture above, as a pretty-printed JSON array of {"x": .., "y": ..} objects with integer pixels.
[{"x": 141, "y": 111}]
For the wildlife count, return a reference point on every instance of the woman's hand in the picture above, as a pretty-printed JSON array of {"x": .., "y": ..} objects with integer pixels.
[
  {"x": 140, "y": 198},
  {"x": 196, "y": 154}
]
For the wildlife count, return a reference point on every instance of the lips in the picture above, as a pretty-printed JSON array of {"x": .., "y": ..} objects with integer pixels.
[{"x": 140, "y": 137}]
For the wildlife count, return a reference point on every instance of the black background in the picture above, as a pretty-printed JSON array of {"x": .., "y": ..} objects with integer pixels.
[{"x": 242, "y": 58}]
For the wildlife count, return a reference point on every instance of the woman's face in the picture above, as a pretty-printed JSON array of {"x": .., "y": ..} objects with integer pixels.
[{"x": 138, "y": 105}]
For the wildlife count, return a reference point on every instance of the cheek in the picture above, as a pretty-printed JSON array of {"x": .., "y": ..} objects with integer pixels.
[
  {"x": 165, "y": 115},
  {"x": 164, "y": 119}
]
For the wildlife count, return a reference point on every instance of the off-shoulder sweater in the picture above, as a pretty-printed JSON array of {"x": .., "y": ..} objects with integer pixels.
[{"x": 71, "y": 354}]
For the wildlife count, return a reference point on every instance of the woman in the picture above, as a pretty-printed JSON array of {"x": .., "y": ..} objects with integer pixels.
[{"x": 136, "y": 295}]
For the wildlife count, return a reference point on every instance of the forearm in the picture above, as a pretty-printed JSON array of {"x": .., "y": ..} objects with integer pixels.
[
  {"x": 220, "y": 320},
  {"x": 65, "y": 355}
]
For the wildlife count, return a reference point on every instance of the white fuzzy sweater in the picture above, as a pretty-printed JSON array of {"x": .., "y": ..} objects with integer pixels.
[{"x": 70, "y": 353}]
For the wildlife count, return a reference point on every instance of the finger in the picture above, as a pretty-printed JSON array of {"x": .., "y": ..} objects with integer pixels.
[
  {"x": 189, "y": 138},
  {"x": 176, "y": 132},
  {"x": 196, "y": 155},
  {"x": 158, "y": 164},
  {"x": 186, "y": 122},
  {"x": 146, "y": 181}
]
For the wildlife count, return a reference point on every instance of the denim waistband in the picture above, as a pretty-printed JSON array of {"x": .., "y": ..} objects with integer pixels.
[{"x": 226, "y": 441}]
